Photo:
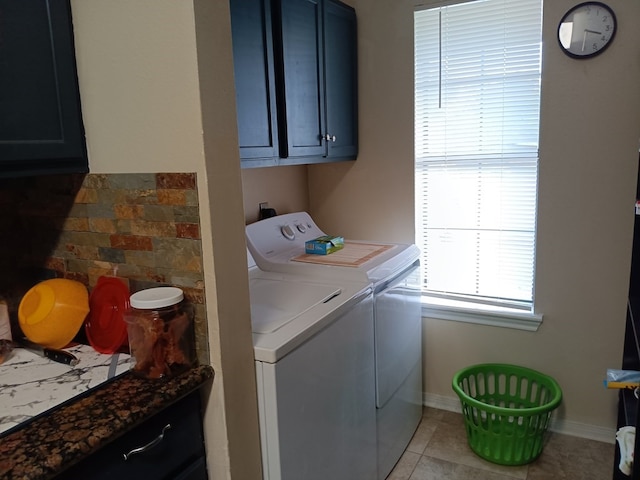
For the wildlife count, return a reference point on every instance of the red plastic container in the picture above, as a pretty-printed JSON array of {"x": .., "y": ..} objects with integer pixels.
[{"x": 105, "y": 327}]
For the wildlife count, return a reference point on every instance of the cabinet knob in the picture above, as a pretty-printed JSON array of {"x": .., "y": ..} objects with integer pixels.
[
  {"x": 330, "y": 138},
  {"x": 149, "y": 445}
]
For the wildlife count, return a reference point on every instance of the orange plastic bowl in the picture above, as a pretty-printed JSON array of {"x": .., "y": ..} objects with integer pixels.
[{"x": 52, "y": 312}]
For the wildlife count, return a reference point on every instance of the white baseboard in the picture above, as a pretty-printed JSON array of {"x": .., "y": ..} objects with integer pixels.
[
  {"x": 565, "y": 427},
  {"x": 451, "y": 404}
]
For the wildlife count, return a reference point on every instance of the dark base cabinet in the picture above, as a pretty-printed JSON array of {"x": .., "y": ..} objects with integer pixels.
[{"x": 169, "y": 453}]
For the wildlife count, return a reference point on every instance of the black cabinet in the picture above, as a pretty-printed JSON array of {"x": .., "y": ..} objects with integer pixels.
[
  {"x": 341, "y": 84},
  {"x": 628, "y": 403},
  {"x": 41, "y": 127},
  {"x": 296, "y": 81},
  {"x": 301, "y": 78},
  {"x": 318, "y": 80},
  {"x": 168, "y": 446},
  {"x": 255, "y": 81}
]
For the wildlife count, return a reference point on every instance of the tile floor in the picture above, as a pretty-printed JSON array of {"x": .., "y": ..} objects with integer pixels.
[{"x": 439, "y": 451}]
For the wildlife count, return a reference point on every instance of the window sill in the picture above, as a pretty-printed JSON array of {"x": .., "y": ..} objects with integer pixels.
[{"x": 481, "y": 314}]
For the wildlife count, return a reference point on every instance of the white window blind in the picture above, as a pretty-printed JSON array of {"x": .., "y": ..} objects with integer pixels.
[{"x": 477, "y": 103}]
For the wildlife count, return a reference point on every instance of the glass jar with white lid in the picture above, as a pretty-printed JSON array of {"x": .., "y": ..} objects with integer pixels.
[{"x": 161, "y": 332}]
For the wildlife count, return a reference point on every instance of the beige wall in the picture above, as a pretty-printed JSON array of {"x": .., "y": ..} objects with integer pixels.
[
  {"x": 588, "y": 160},
  {"x": 145, "y": 68},
  {"x": 372, "y": 198},
  {"x": 284, "y": 188}
]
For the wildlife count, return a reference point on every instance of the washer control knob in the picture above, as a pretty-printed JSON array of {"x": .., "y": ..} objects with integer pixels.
[
  {"x": 287, "y": 232},
  {"x": 301, "y": 228}
]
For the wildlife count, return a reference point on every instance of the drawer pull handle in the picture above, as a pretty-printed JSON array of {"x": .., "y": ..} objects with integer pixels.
[{"x": 149, "y": 445}]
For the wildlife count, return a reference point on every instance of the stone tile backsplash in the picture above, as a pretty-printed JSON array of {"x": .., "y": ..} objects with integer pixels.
[{"x": 141, "y": 228}]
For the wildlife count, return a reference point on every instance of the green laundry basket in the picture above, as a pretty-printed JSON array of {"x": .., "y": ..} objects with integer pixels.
[{"x": 506, "y": 410}]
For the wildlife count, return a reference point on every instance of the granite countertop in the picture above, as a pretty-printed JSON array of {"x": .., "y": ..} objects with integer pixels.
[{"x": 53, "y": 441}]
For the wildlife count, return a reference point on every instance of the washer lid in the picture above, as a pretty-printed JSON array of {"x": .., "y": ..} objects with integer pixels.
[{"x": 274, "y": 303}]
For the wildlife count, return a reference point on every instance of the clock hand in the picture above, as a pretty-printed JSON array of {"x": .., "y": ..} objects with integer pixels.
[{"x": 584, "y": 36}]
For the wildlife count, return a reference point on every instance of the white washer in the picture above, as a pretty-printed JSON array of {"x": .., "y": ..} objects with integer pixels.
[
  {"x": 314, "y": 349},
  {"x": 277, "y": 245}
]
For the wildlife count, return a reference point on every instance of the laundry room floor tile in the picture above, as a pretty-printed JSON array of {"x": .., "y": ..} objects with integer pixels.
[
  {"x": 405, "y": 466},
  {"x": 429, "y": 468},
  {"x": 439, "y": 451},
  {"x": 445, "y": 445},
  {"x": 572, "y": 458},
  {"x": 431, "y": 417}
]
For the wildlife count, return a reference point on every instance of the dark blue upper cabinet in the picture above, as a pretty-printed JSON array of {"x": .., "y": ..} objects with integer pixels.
[
  {"x": 41, "y": 128},
  {"x": 341, "y": 80},
  {"x": 255, "y": 81},
  {"x": 306, "y": 57},
  {"x": 302, "y": 79}
]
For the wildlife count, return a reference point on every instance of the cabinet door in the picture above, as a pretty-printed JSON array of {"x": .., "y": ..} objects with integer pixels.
[
  {"x": 178, "y": 454},
  {"x": 341, "y": 79},
  {"x": 40, "y": 119},
  {"x": 255, "y": 81},
  {"x": 302, "y": 78},
  {"x": 196, "y": 471}
]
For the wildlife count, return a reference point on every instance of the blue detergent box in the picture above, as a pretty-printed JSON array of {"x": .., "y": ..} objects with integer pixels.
[{"x": 324, "y": 245}]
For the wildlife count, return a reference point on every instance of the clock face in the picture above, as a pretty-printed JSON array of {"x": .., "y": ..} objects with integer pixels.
[{"x": 587, "y": 29}]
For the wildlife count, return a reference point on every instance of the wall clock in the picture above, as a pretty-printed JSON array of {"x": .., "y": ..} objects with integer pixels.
[{"x": 587, "y": 29}]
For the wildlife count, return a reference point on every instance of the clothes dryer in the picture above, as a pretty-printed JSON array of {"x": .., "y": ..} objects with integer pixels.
[{"x": 278, "y": 245}]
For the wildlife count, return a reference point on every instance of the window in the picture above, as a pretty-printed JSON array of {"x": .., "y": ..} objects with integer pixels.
[{"x": 477, "y": 104}]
